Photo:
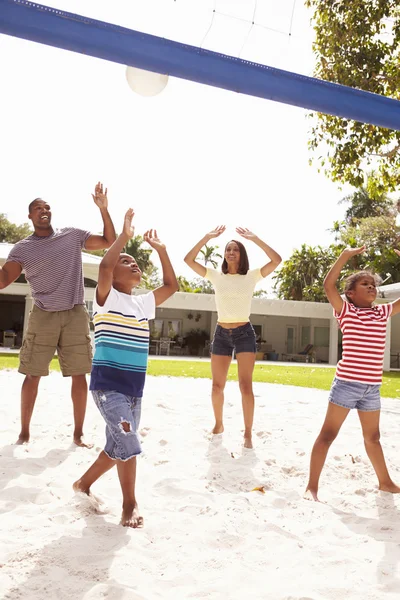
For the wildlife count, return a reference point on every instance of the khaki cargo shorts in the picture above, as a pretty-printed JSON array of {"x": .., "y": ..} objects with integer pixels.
[{"x": 64, "y": 330}]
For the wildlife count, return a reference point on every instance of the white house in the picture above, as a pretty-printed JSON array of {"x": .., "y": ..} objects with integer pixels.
[{"x": 283, "y": 327}]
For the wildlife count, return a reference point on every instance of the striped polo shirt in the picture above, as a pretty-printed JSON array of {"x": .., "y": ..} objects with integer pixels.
[
  {"x": 364, "y": 335},
  {"x": 121, "y": 335},
  {"x": 53, "y": 267}
]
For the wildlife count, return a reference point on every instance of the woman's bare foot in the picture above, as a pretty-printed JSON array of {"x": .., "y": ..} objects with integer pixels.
[
  {"x": 131, "y": 518},
  {"x": 311, "y": 494},
  {"x": 218, "y": 429},
  {"x": 23, "y": 439},
  {"x": 390, "y": 487},
  {"x": 247, "y": 441}
]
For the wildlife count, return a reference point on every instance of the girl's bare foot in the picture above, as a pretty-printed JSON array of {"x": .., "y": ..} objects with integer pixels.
[
  {"x": 389, "y": 487},
  {"x": 131, "y": 518},
  {"x": 247, "y": 441},
  {"x": 218, "y": 429},
  {"x": 311, "y": 494}
]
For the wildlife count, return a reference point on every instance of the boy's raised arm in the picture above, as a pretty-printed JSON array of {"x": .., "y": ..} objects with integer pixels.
[
  {"x": 110, "y": 259},
  {"x": 170, "y": 283}
]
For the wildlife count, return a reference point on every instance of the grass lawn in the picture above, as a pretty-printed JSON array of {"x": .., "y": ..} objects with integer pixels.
[{"x": 317, "y": 377}]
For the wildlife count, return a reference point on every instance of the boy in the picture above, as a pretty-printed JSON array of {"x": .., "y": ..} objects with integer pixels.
[{"x": 120, "y": 361}]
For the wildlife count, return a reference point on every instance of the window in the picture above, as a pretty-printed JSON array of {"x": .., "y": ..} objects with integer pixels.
[
  {"x": 321, "y": 337},
  {"x": 305, "y": 336}
]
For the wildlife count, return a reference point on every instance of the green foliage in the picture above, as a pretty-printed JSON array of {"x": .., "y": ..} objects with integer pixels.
[
  {"x": 357, "y": 44},
  {"x": 371, "y": 220},
  {"x": 380, "y": 235},
  {"x": 368, "y": 201},
  {"x": 209, "y": 255},
  {"x": 151, "y": 278},
  {"x": 301, "y": 276},
  {"x": 11, "y": 233},
  {"x": 141, "y": 255},
  {"x": 260, "y": 294}
]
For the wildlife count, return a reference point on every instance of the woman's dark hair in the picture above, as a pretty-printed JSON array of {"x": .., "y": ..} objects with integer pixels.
[
  {"x": 244, "y": 259},
  {"x": 350, "y": 282}
]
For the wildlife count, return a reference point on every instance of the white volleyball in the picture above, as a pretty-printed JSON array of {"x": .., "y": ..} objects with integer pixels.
[{"x": 145, "y": 83}]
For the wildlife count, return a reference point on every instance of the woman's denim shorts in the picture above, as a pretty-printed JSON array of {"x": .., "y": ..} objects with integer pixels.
[
  {"x": 122, "y": 416},
  {"x": 238, "y": 339},
  {"x": 351, "y": 394}
]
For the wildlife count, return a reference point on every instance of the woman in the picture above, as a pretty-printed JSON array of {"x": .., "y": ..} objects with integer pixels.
[{"x": 234, "y": 288}]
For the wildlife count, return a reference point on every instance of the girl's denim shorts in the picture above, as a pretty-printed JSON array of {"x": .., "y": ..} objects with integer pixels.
[
  {"x": 122, "y": 416},
  {"x": 351, "y": 394},
  {"x": 238, "y": 339}
]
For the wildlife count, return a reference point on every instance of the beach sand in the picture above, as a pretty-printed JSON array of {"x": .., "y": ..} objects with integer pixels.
[{"x": 206, "y": 534}]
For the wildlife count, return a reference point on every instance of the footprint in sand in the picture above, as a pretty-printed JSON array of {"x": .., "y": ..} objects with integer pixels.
[
  {"x": 164, "y": 406},
  {"x": 161, "y": 462},
  {"x": 263, "y": 434},
  {"x": 292, "y": 471},
  {"x": 144, "y": 431},
  {"x": 163, "y": 442}
]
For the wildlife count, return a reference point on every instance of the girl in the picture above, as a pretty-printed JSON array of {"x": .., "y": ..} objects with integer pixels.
[
  {"x": 234, "y": 288},
  {"x": 359, "y": 372}
]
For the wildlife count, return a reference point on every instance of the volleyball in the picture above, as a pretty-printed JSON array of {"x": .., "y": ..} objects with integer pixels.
[{"x": 145, "y": 83}]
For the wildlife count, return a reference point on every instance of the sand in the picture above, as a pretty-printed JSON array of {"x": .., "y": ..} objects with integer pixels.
[{"x": 206, "y": 534}]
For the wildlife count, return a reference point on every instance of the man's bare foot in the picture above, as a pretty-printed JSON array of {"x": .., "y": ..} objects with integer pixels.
[
  {"x": 390, "y": 487},
  {"x": 131, "y": 518},
  {"x": 218, "y": 429},
  {"x": 310, "y": 494},
  {"x": 247, "y": 442},
  {"x": 22, "y": 439},
  {"x": 78, "y": 441}
]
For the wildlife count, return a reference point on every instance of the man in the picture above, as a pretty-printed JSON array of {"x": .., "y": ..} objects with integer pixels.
[{"x": 52, "y": 261}]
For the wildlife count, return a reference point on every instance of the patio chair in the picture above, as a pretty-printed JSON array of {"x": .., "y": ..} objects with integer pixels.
[{"x": 299, "y": 356}]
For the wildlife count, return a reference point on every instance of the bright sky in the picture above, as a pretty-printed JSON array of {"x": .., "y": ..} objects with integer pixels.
[{"x": 186, "y": 160}]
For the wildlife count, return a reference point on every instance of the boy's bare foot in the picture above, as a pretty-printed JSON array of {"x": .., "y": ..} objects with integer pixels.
[
  {"x": 23, "y": 439},
  {"x": 310, "y": 494},
  {"x": 218, "y": 429},
  {"x": 79, "y": 442},
  {"x": 131, "y": 518},
  {"x": 247, "y": 442},
  {"x": 390, "y": 487}
]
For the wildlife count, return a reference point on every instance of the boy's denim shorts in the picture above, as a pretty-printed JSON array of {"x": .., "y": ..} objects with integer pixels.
[
  {"x": 351, "y": 394},
  {"x": 122, "y": 443},
  {"x": 238, "y": 339}
]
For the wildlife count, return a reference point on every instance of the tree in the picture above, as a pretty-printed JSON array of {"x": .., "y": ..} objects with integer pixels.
[
  {"x": 141, "y": 255},
  {"x": 301, "y": 277},
  {"x": 210, "y": 255},
  {"x": 368, "y": 201},
  {"x": 11, "y": 233},
  {"x": 357, "y": 44},
  {"x": 380, "y": 235}
]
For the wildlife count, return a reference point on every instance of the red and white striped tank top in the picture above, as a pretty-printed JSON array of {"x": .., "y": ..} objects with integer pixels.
[{"x": 364, "y": 334}]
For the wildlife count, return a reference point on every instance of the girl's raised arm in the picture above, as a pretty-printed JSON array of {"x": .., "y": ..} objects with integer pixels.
[{"x": 330, "y": 280}]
